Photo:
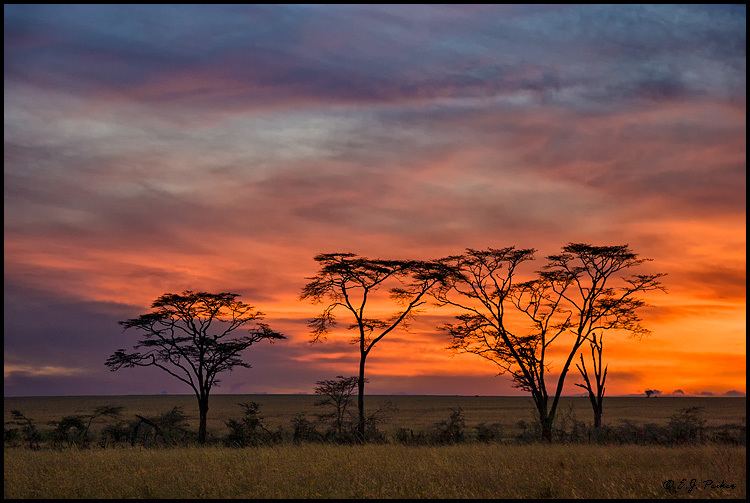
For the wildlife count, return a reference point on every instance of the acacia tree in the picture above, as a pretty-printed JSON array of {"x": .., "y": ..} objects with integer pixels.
[
  {"x": 483, "y": 286},
  {"x": 559, "y": 305},
  {"x": 336, "y": 393},
  {"x": 348, "y": 281},
  {"x": 191, "y": 336},
  {"x": 600, "y": 301}
]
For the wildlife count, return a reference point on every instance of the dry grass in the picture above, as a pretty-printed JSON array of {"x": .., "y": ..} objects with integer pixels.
[
  {"x": 416, "y": 412},
  {"x": 373, "y": 471}
]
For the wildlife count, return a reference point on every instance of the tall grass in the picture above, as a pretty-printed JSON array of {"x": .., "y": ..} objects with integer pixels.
[{"x": 374, "y": 471}]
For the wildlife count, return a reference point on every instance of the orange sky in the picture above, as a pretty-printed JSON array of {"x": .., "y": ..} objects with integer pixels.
[{"x": 228, "y": 166}]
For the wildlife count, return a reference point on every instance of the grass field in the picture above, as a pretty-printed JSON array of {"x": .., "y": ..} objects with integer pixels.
[
  {"x": 381, "y": 471},
  {"x": 473, "y": 470},
  {"x": 416, "y": 412}
]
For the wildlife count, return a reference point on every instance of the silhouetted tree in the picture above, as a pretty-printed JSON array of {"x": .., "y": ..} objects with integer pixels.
[
  {"x": 600, "y": 301},
  {"x": 594, "y": 390},
  {"x": 191, "y": 337},
  {"x": 567, "y": 303},
  {"x": 482, "y": 285},
  {"x": 337, "y": 394},
  {"x": 652, "y": 392},
  {"x": 348, "y": 281}
]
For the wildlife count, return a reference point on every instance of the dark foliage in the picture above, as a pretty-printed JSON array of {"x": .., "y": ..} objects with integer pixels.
[
  {"x": 191, "y": 336},
  {"x": 249, "y": 430},
  {"x": 492, "y": 432},
  {"x": 304, "y": 430},
  {"x": 27, "y": 431},
  {"x": 451, "y": 430}
]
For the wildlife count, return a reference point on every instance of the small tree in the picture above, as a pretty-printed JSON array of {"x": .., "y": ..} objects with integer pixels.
[
  {"x": 336, "y": 394},
  {"x": 594, "y": 390},
  {"x": 348, "y": 281},
  {"x": 652, "y": 392},
  {"x": 191, "y": 337}
]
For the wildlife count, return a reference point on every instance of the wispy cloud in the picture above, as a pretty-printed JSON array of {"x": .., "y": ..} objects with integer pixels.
[{"x": 222, "y": 147}]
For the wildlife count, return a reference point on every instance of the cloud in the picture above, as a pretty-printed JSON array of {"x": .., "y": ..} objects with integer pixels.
[
  {"x": 11, "y": 369},
  {"x": 151, "y": 149}
]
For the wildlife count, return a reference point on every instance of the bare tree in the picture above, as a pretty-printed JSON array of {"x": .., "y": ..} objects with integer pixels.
[
  {"x": 595, "y": 391},
  {"x": 564, "y": 305},
  {"x": 337, "y": 394},
  {"x": 191, "y": 337},
  {"x": 348, "y": 281}
]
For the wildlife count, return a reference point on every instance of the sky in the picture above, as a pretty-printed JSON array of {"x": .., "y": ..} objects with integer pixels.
[{"x": 152, "y": 149}]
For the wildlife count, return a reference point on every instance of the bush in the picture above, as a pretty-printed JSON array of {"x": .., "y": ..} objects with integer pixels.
[
  {"x": 169, "y": 428},
  {"x": 530, "y": 431},
  {"x": 729, "y": 434},
  {"x": 489, "y": 432},
  {"x": 69, "y": 431},
  {"x": 687, "y": 426},
  {"x": 249, "y": 430},
  {"x": 117, "y": 433},
  {"x": 304, "y": 430},
  {"x": 407, "y": 436},
  {"x": 28, "y": 430},
  {"x": 451, "y": 430},
  {"x": 11, "y": 436}
]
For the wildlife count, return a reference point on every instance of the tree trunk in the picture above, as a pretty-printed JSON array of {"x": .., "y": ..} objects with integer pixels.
[
  {"x": 546, "y": 423},
  {"x": 203, "y": 410},
  {"x": 361, "y": 398},
  {"x": 598, "y": 415},
  {"x": 547, "y": 432}
]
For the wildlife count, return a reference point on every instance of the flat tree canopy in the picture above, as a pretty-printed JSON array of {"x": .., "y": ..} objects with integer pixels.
[{"x": 192, "y": 337}]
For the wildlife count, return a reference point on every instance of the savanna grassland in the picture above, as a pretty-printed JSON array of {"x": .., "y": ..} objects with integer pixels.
[
  {"x": 499, "y": 469},
  {"x": 375, "y": 471}
]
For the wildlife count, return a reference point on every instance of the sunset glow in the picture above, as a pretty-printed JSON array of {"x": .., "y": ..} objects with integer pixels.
[{"x": 153, "y": 149}]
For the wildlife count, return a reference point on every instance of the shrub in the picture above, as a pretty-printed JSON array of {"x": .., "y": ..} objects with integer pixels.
[
  {"x": 687, "y": 425},
  {"x": 249, "y": 430},
  {"x": 169, "y": 428},
  {"x": 407, "y": 436},
  {"x": 116, "y": 433},
  {"x": 530, "y": 431},
  {"x": 304, "y": 430},
  {"x": 28, "y": 429},
  {"x": 489, "y": 432},
  {"x": 451, "y": 430},
  {"x": 729, "y": 434},
  {"x": 11, "y": 435},
  {"x": 68, "y": 431}
]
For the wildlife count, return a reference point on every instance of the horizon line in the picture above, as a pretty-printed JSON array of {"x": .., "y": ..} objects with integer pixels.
[{"x": 631, "y": 395}]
